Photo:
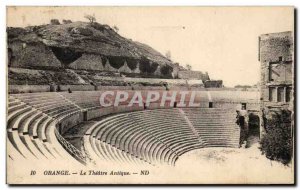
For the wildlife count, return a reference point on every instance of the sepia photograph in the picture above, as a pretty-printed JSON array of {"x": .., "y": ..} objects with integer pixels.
[{"x": 150, "y": 95}]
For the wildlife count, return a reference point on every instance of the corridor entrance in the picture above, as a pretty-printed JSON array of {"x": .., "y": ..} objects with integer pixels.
[{"x": 254, "y": 132}]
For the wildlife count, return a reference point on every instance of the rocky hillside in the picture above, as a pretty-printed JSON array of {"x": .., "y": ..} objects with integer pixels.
[{"x": 83, "y": 46}]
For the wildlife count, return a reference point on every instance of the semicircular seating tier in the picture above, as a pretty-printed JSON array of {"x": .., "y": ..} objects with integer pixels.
[
  {"x": 161, "y": 136},
  {"x": 157, "y": 135}
]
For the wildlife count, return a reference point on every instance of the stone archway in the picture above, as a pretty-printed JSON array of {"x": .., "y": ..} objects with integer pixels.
[{"x": 254, "y": 129}]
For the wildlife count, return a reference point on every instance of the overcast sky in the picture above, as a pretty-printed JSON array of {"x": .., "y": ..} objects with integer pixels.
[{"x": 221, "y": 41}]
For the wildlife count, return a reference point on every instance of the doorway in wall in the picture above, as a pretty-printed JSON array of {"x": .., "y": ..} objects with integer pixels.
[{"x": 253, "y": 129}]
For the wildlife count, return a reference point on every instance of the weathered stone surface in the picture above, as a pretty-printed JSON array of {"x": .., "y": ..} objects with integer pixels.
[
  {"x": 83, "y": 47},
  {"x": 276, "y": 45},
  {"x": 193, "y": 75},
  {"x": 79, "y": 45},
  {"x": 24, "y": 54},
  {"x": 276, "y": 56},
  {"x": 125, "y": 68},
  {"x": 88, "y": 62}
]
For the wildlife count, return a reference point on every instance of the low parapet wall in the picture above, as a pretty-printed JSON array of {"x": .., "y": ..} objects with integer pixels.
[
  {"x": 15, "y": 89},
  {"x": 182, "y": 88},
  {"x": 100, "y": 88},
  {"x": 149, "y": 88},
  {"x": 236, "y": 105},
  {"x": 70, "y": 121},
  {"x": 76, "y": 87}
]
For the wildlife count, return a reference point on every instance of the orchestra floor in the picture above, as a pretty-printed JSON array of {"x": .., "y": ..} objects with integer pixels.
[{"x": 232, "y": 165}]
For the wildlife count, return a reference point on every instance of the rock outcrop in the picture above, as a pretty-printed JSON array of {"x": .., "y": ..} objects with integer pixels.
[{"x": 83, "y": 46}]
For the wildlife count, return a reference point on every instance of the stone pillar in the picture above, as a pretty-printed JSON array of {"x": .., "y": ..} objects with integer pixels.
[
  {"x": 276, "y": 94},
  {"x": 267, "y": 72},
  {"x": 261, "y": 124},
  {"x": 284, "y": 94}
]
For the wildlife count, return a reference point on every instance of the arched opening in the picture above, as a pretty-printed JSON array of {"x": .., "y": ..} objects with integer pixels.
[
  {"x": 85, "y": 116},
  {"x": 254, "y": 132},
  {"x": 175, "y": 104},
  {"x": 66, "y": 55},
  {"x": 244, "y": 106},
  {"x": 52, "y": 88}
]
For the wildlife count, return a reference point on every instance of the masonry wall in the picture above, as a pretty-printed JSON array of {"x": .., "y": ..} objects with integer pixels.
[
  {"x": 31, "y": 55},
  {"x": 193, "y": 75},
  {"x": 15, "y": 89},
  {"x": 213, "y": 84},
  {"x": 76, "y": 87},
  {"x": 70, "y": 122},
  {"x": 276, "y": 55},
  {"x": 37, "y": 55},
  {"x": 277, "y": 65},
  {"x": 88, "y": 62}
]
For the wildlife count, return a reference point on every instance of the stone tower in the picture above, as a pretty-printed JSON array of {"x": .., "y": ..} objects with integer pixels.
[{"x": 276, "y": 55}]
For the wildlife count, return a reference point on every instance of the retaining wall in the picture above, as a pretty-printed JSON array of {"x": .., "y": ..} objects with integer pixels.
[{"x": 14, "y": 89}]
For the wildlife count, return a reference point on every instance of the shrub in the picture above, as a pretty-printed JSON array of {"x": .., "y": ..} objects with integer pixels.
[
  {"x": 277, "y": 144},
  {"x": 116, "y": 29},
  {"x": 67, "y": 21},
  {"x": 15, "y": 32},
  {"x": 85, "y": 31},
  {"x": 82, "y": 31},
  {"x": 98, "y": 26},
  {"x": 54, "y": 22}
]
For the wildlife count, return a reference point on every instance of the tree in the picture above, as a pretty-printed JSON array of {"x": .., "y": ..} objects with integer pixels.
[
  {"x": 277, "y": 142},
  {"x": 189, "y": 67},
  {"x": 91, "y": 18},
  {"x": 116, "y": 28}
]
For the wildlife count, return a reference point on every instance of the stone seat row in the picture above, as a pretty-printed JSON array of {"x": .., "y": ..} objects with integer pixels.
[{"x": 30, "y": 133}]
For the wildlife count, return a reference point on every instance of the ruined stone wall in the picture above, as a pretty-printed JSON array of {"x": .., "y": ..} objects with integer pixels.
[
  {"x": 114, "y": 88},
  {"x": 213, "y": 84},
  {"x": 38, "y": 55},
  {"x": 15, "y": 89},
  {"x": 236, "y": 105},
  {"x": 118, "y": 64},
  {"x": 31, "y": 55},
  {"x": 88, "y": 62},
  {"x": 193, "y": 75},
  {"x": 76, "y": 87},
  {"x": 276, "y": 45},
  {"x": 276, "y": 57},
  {"x": 83, "y": 46}
]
